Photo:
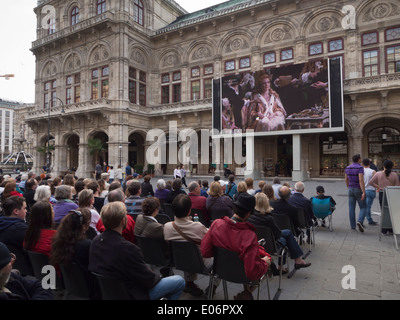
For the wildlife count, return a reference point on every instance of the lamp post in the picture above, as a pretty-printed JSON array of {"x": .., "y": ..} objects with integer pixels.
[
  {"x": 7, "y": 76},
  {"x": 120, "y": 155}
]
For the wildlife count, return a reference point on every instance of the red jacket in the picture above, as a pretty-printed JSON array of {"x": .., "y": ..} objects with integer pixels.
[
  {"x": 199, "y": 202},
  {"x": 128, "y": 232},
  {"x": 238, "y": 237}
]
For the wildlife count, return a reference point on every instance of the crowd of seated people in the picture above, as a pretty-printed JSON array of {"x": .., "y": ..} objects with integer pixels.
[{"x": 95, "y": 224}]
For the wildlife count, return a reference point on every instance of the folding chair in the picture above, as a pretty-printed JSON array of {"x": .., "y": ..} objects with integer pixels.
[
  {"x": 156, "y": 252},
  {"x": 303, "y": 224},
  {"x": 38, "y": 261},
  {"x": 168, "y": 211},
  {"x": 322, "y": 209},
  {"x": 187, "y": 257},
  {"x": 230, "y": 268},
  {"x": 111, "y": 289},
  {"x": 74, "y": 281},
  {"x": 23, "y": 263},
  {"x": 200, "y": 215},
  {"x": 217, "y": 214},
  {"x": 162, "y": 218},
  {"x": 271, "y": 246}
]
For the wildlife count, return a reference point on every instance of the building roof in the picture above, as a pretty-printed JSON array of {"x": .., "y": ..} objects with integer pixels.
[{"x": 210, "y": 13}]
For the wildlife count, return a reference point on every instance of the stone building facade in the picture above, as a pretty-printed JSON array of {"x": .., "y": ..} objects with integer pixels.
[{"x": 115, "y": 69}]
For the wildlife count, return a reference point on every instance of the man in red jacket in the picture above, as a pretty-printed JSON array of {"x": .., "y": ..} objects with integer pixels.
[
  {"x": 237, "y": 235},
  {"x": 198, "y": 201}
]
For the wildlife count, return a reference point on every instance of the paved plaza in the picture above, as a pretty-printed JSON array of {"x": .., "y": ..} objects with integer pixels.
[{"x": 377, "y": 263}]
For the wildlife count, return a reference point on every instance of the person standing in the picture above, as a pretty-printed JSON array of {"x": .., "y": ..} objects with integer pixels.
[
  {"x": 354, "y": 177},
  {"x": 97, "y": 170},
  {"x": 370, "y": 191},
  {"x": 183, "y": 175}
]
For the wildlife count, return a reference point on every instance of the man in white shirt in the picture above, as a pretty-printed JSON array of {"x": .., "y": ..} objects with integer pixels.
[{"x": 370, "y": 191}]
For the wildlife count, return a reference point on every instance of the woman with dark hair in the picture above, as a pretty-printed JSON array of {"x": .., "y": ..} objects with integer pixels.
[
  {"x": 70, "y": 244},
  {"x": 40, "y": 232},
  {"x": 147, "y": 188},
  {"x": 10, "y": 190},
  {"x": 384, "y": 178}
]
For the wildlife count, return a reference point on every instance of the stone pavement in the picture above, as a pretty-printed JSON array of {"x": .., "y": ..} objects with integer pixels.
[{"x": 376, "y": 263}]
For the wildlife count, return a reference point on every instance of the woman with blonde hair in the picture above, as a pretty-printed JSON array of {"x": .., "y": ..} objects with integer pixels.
[
  {"x": 262, "y": 217},
  {"x": 218, "y": 201}
]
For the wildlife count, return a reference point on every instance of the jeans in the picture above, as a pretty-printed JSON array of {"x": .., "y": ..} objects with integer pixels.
[
  {"x": 370, "y": 197},
  {"x": 169, "y": 287},
  {"x": 355, "y": 195},
  {"x": 287, "y": 239}
]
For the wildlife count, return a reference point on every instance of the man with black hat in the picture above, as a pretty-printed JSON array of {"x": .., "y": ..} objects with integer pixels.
[
  {"x": 15, "y": 287},
  {"x": 235, "y": 234}
]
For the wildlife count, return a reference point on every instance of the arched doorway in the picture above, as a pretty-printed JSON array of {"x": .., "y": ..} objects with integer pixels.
[
  {"x": 136, "y": 150},
  {"x": 45, "y": 151},
  {"x": 73, "y": 152},
  {"x": 384, "y": 143},
  {"x": 98, "y": 147},
  {"x": 334, "y": 153}
]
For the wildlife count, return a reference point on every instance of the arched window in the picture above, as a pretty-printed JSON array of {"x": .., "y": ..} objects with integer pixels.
[
  {"x": 51, "y": 23},
  {"x": 74, "y": 16},
  {"x": 101, "y": 6},
  {"x": 138, "y": 12}
]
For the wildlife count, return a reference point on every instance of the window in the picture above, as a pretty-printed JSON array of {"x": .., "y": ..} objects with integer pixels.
[
  {"x": 287, "y": 54},
  {"x": 138, "y": 12},
  {"x": 315, "y": 48},
  {"x": 100, "y": 83},
  {"x": 392, "y": 34},
  {"x": 269, "y": 57},
  {"x": 50, "y": 94},
  {"x": 195, "y": 90},
  {"x": 208, "y": 70},
  {"x": 73, "y": 89},
  {"x": 393, "y": 59},
  {"x": 208, "y": 88},
  {"x": 165, "y": 94},
  {"x": 142, "y": 88},
  {"x": 230, "y": 65},
  {"x": 51, "y": 24},
  {"x": 335, "y": 45},
  {"x": 101, "y": 6},
  {"x": 74, "y": 16},
  {"x": 166, "y": 87},
  {"x": 132, "y": 85},
  {"x": 244, "y": 63},
  {"x": 370, "y": 38},
  {"x": 371, "y": 63},
  {"x": 195, "y": 72},
  {"x": 176, "y": 94}
]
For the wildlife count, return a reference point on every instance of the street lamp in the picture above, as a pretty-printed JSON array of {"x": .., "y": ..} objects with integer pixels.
[
  {"x": 7, "y": 76},
  {"x": 120, "y": 155}
]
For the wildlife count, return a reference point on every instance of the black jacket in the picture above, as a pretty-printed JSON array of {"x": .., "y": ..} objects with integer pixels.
[
  {"x": 114, "y": 257},
  {"x": 147, "y": 190},
  {"x": 265, "y": 220},
  {"x": 283, "y": 207},
  {"x": 298, "y": 200},
  {"x": 23, "y": 288}
]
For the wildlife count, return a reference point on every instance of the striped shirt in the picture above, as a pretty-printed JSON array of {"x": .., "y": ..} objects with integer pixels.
[
  {"x": 352, "y": 173},
  {"x": 134, "y": 204}
]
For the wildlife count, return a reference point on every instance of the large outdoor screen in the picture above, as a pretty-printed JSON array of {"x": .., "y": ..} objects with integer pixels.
[{"x": 293, "y": 99}]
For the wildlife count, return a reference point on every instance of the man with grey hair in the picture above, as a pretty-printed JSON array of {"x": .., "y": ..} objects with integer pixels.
[
  {"x": 298, "y": 200},
  {"x": 198, "y": 201}
]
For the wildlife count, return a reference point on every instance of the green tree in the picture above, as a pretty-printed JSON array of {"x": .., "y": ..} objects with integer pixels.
[{"x": 96, "y": 146}]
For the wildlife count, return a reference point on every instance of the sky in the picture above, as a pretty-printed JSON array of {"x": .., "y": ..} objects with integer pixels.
[{"x": 18, "y": 31}]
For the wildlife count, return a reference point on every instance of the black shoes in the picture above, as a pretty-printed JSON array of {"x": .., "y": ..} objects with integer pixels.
[
  {"x": 360, "y": 226},
  {"x": 301, "y": 266}
]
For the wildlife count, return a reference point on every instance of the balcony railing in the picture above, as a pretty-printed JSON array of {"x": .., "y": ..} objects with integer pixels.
[
  {"x": 79, "y": 27},
  {"x": 374, "y": 83}
]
